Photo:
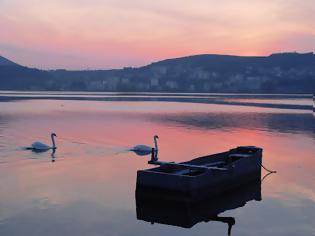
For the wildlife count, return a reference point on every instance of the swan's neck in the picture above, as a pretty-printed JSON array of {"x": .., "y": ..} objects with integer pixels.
[
  {"x": 53, "y": 142},
  {"x": 155, "y": 144}
]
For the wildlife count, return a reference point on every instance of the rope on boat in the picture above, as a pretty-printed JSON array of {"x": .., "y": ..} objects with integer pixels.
[
  {"x": 270, "y": 171},
  {"x": 266, "y": 175}
]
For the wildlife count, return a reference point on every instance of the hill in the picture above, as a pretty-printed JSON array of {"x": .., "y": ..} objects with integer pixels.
[
  {"x": 6, "y": 62},
  {"x": 277, "y": 73}
]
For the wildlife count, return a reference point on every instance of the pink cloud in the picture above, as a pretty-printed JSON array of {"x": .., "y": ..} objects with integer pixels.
[{"x": 119, "y": 33}]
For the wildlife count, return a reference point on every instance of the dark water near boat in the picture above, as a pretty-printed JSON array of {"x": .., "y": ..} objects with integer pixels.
[{"x": 88, "y": 186}]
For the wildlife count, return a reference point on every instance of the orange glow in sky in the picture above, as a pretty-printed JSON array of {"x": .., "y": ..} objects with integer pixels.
[{"x": 116, "y": 33}]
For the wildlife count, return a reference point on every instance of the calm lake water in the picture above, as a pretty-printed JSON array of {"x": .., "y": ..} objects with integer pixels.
[{"x": 88, "y": 186}]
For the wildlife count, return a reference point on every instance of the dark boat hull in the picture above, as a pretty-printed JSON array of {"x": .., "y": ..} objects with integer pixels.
[{"x": 243, "y": 164}]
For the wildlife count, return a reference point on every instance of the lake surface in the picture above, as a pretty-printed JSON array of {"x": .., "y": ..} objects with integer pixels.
[{"x": 88, "y": 186}]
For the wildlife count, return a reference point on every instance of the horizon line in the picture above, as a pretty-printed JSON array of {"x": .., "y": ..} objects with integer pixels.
[{"x": 161, "y": 60}]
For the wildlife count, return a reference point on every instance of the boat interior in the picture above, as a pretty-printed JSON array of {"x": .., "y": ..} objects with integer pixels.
[{"x": 221, "y": 162}]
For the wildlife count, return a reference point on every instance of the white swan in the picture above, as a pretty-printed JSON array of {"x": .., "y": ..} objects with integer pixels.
[
  {"x": 41, "y": 147},
  {"x": 143, "y": 150}
]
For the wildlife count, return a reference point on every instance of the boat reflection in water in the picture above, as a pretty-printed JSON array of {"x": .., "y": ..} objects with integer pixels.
[{"x": 187, "y": 214}]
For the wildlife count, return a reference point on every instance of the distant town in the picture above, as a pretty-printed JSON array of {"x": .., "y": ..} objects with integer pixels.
[{"x": 277, "y": 73}]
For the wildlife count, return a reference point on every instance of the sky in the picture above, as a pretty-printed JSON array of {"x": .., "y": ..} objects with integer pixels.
[{"x": 104, "y": 34}]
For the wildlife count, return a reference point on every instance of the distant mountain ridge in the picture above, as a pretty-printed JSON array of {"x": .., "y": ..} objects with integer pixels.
[
  {"x": 6, "y": 62},
  {"x": 277, "y": 73}
]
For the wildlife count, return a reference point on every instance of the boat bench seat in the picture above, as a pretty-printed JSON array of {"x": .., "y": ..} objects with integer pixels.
[{"x": 239, "y": 155}]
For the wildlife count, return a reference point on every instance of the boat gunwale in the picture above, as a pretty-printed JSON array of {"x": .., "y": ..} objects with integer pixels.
[{"x": 155, "y": 170}]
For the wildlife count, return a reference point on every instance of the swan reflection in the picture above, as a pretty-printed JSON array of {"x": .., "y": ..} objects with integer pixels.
[{"x": 53, "y": 157}]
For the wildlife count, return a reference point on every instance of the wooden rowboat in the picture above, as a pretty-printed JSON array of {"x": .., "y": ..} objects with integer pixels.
[{"x": 202, "y": 177}]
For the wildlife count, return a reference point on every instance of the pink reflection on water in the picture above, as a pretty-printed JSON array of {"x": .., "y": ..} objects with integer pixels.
[{"x": 92, "y": 161}]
